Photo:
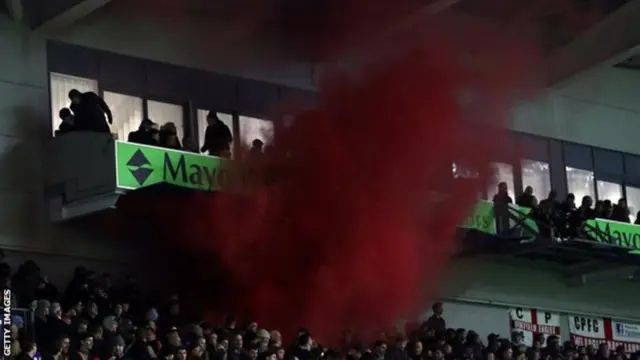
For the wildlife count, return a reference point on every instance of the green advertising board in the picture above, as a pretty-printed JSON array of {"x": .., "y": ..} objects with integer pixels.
[
  {"x": 614, "y": 233},
  {"x": 482, "y": 218},
  {"x": 139, "y": 166}
]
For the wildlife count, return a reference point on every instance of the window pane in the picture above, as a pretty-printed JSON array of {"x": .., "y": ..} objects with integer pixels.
[
  {"x": 227, "y": 119},
  {"x": 609, "y": 191},
  {"x": 254, "y": 128},
  {"x": 501, "y": 173},
  {"x": 536, "y": 174},
  {"x": 127, "y": 113},
  {"x": 60, "y": 86},
  {"x": 162, "y": 113},
  {"x": 580, "y": 183},
  {"x": 633, "y": 201}
]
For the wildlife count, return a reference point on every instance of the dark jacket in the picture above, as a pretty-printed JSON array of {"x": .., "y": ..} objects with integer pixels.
[
  {"x": 90, "y": 113},
  {"x": 217, "y": 139}
]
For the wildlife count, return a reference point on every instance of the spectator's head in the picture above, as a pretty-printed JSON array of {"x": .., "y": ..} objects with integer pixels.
[
  {"x": 83, "y": 325},
  {"x": 304, "y": 341},
  {"x": 181, "y": 353},
  {"x": 257, "y": 145},
  {"x": 170, "y": 128},
  {"x": 502, "y": 188},
  {"x": 152, "y": 314},
  {"x": 622, "y": 203},
  {"x": 29, "y": 347},
  {"x": 603, "y": 349},
  {"x": 587, "y": 202},
  {"x": 75, "y": 96},
  {"x": 528, "y": 190},
  {"x": 276, "y": 338},
  {"x": 553, "y": 195},
  {"x": 280, "y": 353},
  {"x": 438, "y": 309},
  {"x": 117, "y": 346},
  {"x": 92, "y": 309},
  {"x": 438, "y": 354},
  {"x": 78, "y": 307},
  {"x": 490, "y": 355},
  {"x": 66, "y": 115},
  {"x": 238, "y": 342},
  {"x": 212, "y": 339},
  {"x": 417, "y": 348},
  {"x": 212, "y": 117},
  {"x": 253, "y": 352},
  {"x": 62, "y": 344},
  {"x": 43, "y": 309},
  {"x": 507, "y": 354},
  {"x": 173, "y": 338},
  {"x": 86, "y": 342},
  {"x": 146, "y": 125},
  {"x": 401, "y": 341},
  {"x": 380, "y": 348},
  {"x": 230, "y": 322},
  {"x": 97, "y": 332},
  {"x": 56, "y": 310},
  {"x": 263, "y": 337},
  {"x": 110, "y": 323}
]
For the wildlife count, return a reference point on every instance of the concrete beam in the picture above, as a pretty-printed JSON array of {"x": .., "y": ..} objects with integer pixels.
[
  {"x": 56, "y": 15},
  {"x": 612, "y": 40}
]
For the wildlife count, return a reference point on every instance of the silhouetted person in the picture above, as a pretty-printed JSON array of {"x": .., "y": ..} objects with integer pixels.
[
  {"x": 217, "y": 137},
  {"x": 256, "y": 150},
  {"x": 90, "y": 111},
  {"x": 501, "y": 202},
  {"x": 581, "y": 214},
  {"x": 144, "y": 135},
  {"x": 527, "y": 199},
  {"x": 68, "y": 122},
  {"x": 621, "y": 212},
  {"x": 169, "y": 136}
]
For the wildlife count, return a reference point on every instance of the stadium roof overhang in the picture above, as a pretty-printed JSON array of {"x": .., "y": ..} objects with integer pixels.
[
  {"x": 53, "y": 15},
  {"x": 614, "y": 41}
]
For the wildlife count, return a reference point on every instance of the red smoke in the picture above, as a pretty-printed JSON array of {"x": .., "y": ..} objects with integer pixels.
[{"x": 362, "y": 215}]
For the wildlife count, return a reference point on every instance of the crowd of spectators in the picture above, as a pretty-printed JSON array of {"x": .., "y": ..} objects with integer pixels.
[
  {"x": 564, "y": 218},
  {"x": 89, "y": 112},
  {"x": 93, "y": 319}
]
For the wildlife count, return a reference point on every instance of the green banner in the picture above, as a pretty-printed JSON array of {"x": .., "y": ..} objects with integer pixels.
[
  {"x": 482, "y": 218},
  {"x": 614, "y": 233},
  {"x": 139, "y": 166}
]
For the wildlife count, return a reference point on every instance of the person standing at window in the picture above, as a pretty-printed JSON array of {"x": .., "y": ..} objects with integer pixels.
[
  {"x": 217, "y": 138},
  {"x": 501, "y": 202},
  {"x": 90, "y": 111}
]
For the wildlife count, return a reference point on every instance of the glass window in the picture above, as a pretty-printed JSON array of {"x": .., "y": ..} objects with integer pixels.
[
  {"x": 501, "y": 173},
  {"x": 127, "y": 113},
  {"x": 60, "y": 86},
  {"x": 254, "y": 128},
  {"x": 162, "y": 113},
  {"x": 227, "y": 119},
  {"x": 609, "y": 191},
  {"x": 633, "y": 201},
  {"x": 536, "y": 174},
  {"x": 580, "y": 183}
]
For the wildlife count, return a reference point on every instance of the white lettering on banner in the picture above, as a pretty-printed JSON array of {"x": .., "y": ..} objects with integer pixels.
[
  {"x": 531, "y": 324},
  {"x": 595, "y": 331},
  {"x": 6, "y": 322}
]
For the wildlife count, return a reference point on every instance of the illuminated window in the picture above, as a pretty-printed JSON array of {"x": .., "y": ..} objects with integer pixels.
[
  {"x": 254, "y": 128},
  {"x": 60, "y": 86},
  {"x": 501, "y": 173},
  {"x": 227, "y": 119},
  {"x": 536, "y": 174},
  {"x": 609, "y": 191},
  {"x": 580, "y": 183},
  {"x": 163, "y": 113},
  {"x": 127, "y": 113},
  {"x": 633, "y": 202}
]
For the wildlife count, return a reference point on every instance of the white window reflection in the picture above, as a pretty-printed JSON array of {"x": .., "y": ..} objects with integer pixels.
[
  {"x": 227, "y": 119},
  {"x": 127, "y": 113},
  {"x": 536, "y": 174},
  {"x": 163, "y": 113},
  {"x": 580, "y": 183},
  {"x": 633, "y": 201},
  {"x": 609, "y": 191},
  {"x": 462, "y": 172},
  {"x": 61, "y": 84},
  {"x": 254, "y": 128},
  {"x": 501, "y": 173}
]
